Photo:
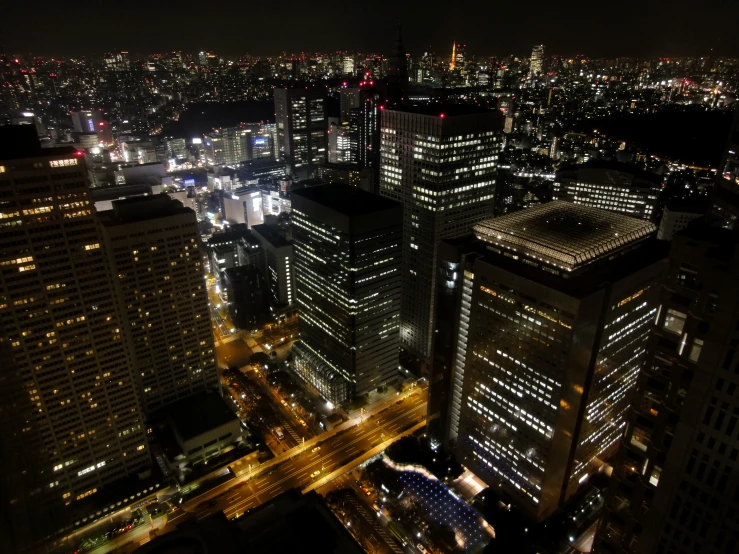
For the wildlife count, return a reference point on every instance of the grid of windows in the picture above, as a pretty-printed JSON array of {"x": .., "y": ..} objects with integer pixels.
[
  {"x": 443, "y": 172},
  {"x": 159, "y": 266},
  {"x": 78, "y": 424}
]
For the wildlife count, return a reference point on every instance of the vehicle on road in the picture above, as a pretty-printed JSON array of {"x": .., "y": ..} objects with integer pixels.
[
  {"x": 279, "y": 433},
  {"x": 315, "y": 474},
  {"x": 397, "y": 532},
  {"x": 422, "y": 549},
  {"x": 316, "y": 449}
]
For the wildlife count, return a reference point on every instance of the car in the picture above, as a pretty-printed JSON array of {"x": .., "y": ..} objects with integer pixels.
[
  {"x": 422, "y": 549},
  {"x": 315, "y": 474},
  {"x": 284, "y": 403},
  {"x": 366, "y": 491},
  {"x": 303, "y": 423},
  {"x": 316, "y": 449}
]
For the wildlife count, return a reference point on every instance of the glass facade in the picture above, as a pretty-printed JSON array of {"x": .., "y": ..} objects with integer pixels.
[
  {"x": 347, "y": 271},
  {"x": 442, "y": 169}
]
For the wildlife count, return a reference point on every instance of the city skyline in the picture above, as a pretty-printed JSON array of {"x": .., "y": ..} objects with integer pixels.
[{"x": 581, "y": 28}]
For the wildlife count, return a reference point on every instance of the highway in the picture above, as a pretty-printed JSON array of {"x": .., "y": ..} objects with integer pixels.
[
  {"x": 333, "y": 453},
  {"x": 238, "y": 495}
]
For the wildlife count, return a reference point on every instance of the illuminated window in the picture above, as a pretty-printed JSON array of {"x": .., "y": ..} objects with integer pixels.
[
  {"x": 674, "y": 321},
  {"x": 695, "y": 350}
]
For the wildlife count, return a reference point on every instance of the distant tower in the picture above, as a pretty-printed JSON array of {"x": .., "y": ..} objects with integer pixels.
[
  {"x": 397, "y": 72},
  {"x": 537, "y": 60},
  {"x": 453, "y": 62}
]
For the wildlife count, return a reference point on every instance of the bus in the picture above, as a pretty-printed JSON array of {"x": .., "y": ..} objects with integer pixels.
[{"x": 397, "y": 532}]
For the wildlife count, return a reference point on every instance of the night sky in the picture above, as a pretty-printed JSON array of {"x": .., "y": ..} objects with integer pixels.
[{"x": 264, "y": 27}]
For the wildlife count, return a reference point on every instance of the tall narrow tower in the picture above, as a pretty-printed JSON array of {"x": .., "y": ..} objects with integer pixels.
[{"x": 397, "y": 72}]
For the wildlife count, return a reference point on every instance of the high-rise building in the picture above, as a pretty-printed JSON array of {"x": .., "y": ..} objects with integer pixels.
[
  {"x": 536, "y": 64},
  {"x": 230, "y": 145},
  {"x": 154, "y": 251},
  {"x": 347, "y": 271},
  {"x": 91, "y": 121},
  {"x": 550, "y": 314},
  {"x": 677, "y": 214},
  {"x": 397, "y": 72},
  {"x": 342, "y": 144},
  {"x": 70, "y": 416},
  {"x": 675, "y": 486},
  {"x": 349, "y": 98},
  {"x": 278, "y": 265},
  {"x": 440, "y": 163},
  {"x": 301, "y": 128},
  {"x": 612, "y": 186}
]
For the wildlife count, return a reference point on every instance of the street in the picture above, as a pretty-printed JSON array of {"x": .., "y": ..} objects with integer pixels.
[{"x": 317, "y": 460}]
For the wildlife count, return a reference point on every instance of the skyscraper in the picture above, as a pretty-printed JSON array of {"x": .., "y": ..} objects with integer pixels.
[
  {"x": 347, "y": 270},
  {"x": 552, "y": 309},
  {"x": 397, "y": 72},
  {"x": 70, "y": 415},
  {"x": 440, "y": 163},
  {"x": 675, "y": 485},
  {"x": 536, "y": 64},
  {"x": 301, "y": 128},
  {"x": 153, "y": 245}
]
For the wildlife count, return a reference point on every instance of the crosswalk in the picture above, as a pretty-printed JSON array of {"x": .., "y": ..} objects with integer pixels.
[
  {"x": 292, "y": 432},
  {"x": 376, "y": 526}
]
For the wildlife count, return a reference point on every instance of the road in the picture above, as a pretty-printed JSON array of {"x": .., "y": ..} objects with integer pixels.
[
  {"x": 235, "y": 499},
  {"x": 241, "y": 493}
]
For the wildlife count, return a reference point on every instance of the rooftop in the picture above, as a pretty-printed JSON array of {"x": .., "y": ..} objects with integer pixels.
[
  {"x": 271, "y": 234},
  {"x": 21, "y": 141},
  {"x": 448, "y": 110},
  {"x": 564, "y": 235},
  {"x": 142, "y": 208},
  {"x": 608, "y": 165},
  {"x": 199, "y": 413},
  {"x": 346, "y": 199}
]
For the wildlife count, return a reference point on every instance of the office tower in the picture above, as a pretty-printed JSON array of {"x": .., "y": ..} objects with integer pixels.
[
  {"x": 301, "y": 128},
  {"x": 262, "y": 143},
  {"x": 248, "y": 297},
  {"x": 349, "y": 98},
  {"x": 674, "y": 486},
  {"x": 551, "y": 309},
  {"x": 397, "y": 72},
  {"x": 612, "y": 186},
  {"x": 536, "y": 64},
  {"x": 348, "y": 65},
  {"x": 677, "y": 214},
  {"x": 153, "y": 245},
  {"x": 268, "y": 131},
  {"x": 244, "y": 205},
  {"x": 70, "y": 415},
  {"x": 176, "y": 147},
  {"x": 230, "y": 145},
  {"x": 347, "y": 272},
  {"x": 278, "y": 265},
  {"x": 342, "y": 144},
  {"x": 440, "y": 163},
  {"x": 91, "y": 121},
  {"x": 350, "y": 174}
]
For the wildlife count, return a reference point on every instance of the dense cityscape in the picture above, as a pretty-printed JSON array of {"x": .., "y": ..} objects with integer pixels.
[{"x": 381, "y": 302}]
